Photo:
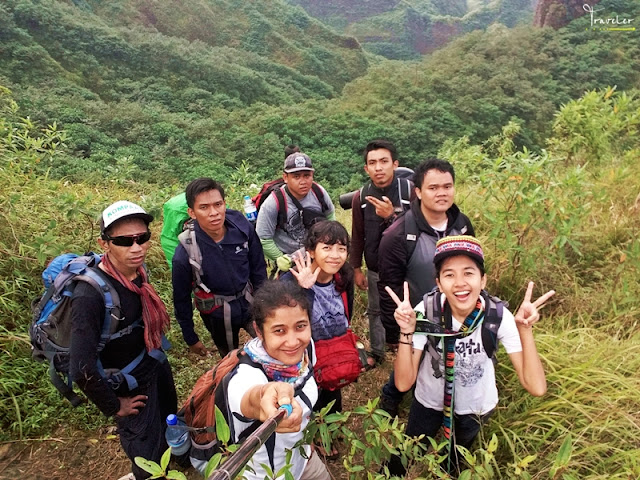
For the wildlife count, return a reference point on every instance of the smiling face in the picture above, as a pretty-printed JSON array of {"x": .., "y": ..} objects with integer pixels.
[
  {"x": 209, "y": 211},
  {"x": 126, "y": 259},
  {"x": 330, "y": 259},
  {"x": 436, "y": 194},
  {"x": 286, "y": 333},
  {"x": 380, "y": 167},
  {"x": 461, "y": 280}
]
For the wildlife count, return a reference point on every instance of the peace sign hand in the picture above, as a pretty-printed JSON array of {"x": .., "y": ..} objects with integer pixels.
[
  {"x": 528, "y": 313},
  {"x": 305, "y": 275},
  {"x": 404, "y": 314}
]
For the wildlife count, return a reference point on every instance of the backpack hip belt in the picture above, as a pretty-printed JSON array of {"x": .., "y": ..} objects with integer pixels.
[
  {"x": 209, "y": 302},
  {"x": 116, "y": 377}
]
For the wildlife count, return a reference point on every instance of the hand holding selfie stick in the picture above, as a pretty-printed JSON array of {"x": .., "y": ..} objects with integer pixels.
[{"x": 251, "y": 444}]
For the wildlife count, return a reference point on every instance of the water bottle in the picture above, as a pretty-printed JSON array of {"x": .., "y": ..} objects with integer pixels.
[
  {"x": 177, "y": 436},
  {"x": 250, "y": 210}
]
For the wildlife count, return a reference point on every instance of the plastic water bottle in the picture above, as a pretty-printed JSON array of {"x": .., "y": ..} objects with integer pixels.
[
  {"x": 250, "y": 210},
  {"x": 177, "y": 436}
]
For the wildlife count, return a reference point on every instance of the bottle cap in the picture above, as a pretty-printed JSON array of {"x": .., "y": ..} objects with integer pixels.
[{"x": 172, "y": 419}]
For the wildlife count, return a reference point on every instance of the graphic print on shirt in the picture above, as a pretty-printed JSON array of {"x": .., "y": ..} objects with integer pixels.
[
  {"x": 294, "y": 227},
  {"x": 469, "y": 363}
]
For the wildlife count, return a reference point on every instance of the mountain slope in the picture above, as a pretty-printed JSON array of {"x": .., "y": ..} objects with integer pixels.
[{"x": 401, "y": 29}]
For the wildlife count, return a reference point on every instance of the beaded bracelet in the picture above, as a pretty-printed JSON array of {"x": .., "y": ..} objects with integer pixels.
[
  {"x": 406, "y": 334},
  {"x": 406, "y": 343}
]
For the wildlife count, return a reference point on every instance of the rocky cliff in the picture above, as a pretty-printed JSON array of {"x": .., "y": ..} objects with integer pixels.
[{"x": 558, "y": 13}]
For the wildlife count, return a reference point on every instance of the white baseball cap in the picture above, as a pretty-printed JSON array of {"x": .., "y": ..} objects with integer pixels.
[{"x": 122, "y": 209}]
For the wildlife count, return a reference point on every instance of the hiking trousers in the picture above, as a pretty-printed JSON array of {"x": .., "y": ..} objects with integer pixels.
[
  {"x": 216, "y": 327},
  {"x": 142, "y": 435},
  {"x": 427, "y": 421}
]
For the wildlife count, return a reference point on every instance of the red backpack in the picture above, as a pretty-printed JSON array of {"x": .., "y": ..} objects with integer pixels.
[{"x": 337, "y": 359}]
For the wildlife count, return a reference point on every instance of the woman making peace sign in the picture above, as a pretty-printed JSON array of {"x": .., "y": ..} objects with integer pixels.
[{"x": 457, "y": 376}]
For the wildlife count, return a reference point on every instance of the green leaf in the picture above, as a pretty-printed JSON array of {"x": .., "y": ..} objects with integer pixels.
[
  {"x": 164, "y": 461},
  {"x": 222, "y": 429},
  {"x": 564, "y": 454},
  {"x": 175, "y": 475},
  {"x": 465, "y": 475},
  {"x": 493, "y": 444},
  {"x": 148, "y": 466},
  {"x": 212, "y": 464}
]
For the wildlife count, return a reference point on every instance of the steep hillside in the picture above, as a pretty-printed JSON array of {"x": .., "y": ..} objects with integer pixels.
[
  {"x": 399, "y": 30},
  {"x": 144, "y": 105},
  {"x": 258, "y": 51}
]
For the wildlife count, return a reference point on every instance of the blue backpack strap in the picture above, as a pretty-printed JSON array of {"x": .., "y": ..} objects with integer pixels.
[
  {"x": 112, "y": 313},
  {"x": 116, "y": 378},
  {"x": 65, "y": 388}
]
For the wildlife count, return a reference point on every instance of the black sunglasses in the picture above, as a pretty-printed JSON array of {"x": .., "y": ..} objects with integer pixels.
[{"x": 129, "y": 240}]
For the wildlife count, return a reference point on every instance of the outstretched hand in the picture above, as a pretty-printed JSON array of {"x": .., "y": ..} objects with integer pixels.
[
  {"x": 305, "y": 275},
  {"x": 528, "y": 312},
  {"x": 275, "y": 394},
  {"x": 404, "y": 314}
]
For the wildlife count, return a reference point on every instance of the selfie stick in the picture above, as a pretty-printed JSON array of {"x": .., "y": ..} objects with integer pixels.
[{"x": 236, "y": 462}]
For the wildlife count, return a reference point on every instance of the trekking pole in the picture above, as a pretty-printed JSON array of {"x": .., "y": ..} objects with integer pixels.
[{"x": 251, "y": 444}]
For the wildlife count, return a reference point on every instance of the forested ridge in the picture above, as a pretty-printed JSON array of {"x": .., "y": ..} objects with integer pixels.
[
  {"x": 169, "y": 108},
  {"x": 403, "y": 30},
  {"x": 97, "y": 103}
]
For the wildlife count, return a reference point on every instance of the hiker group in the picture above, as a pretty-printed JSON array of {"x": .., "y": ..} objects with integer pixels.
[{"x": 288, "y": 281}]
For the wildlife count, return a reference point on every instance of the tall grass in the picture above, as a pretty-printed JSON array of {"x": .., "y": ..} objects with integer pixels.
[{"x": 553, "y": 217}]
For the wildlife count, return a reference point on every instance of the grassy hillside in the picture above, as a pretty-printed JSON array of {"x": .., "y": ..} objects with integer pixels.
[{"x": 566, "y": 218}]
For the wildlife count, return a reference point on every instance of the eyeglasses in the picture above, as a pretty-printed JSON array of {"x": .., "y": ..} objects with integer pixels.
[{"x": 129, "y": 240}]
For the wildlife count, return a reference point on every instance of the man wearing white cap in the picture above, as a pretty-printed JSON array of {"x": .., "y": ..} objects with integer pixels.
[{"x": 129, "y": 375}]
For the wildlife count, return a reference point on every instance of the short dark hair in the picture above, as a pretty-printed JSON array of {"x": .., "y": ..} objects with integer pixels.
[
  {"x": 377, "y": 145},
  {"x": 432, "y": 164},
  {"x": 289, "y": 149},
  {"x": 274, "y": 294},
  {"x": 201, "y": 185}
]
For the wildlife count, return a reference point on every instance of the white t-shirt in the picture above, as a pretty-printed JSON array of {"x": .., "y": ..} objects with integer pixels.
[
  {"x": 475, "y": 389},
  {"x": 245, "y": 378}
]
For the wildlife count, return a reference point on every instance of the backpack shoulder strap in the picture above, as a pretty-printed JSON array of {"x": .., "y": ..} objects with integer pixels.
[
  {"x": 81, "y": 271},
  {"x": 315, "y": 188},
  {"x": 112, "y": 314},
  {"x": 404, "y": 192},
  {"x": 411, "y": 233},
  {"x": 494, "y": 308},
  {"x": 188, "y": 240},
  {"x": 363, "y": 201},
  {"x": 281, "y": 204}
]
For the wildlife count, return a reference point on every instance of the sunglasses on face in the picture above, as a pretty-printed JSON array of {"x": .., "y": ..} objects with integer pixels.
[{"x": 129, "y": 240}]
